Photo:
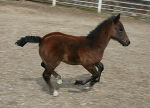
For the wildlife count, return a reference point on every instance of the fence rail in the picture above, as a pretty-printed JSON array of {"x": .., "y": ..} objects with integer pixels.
[
  {"x": 128, "y": 3},
  {"x": 134, "y": 9},
  {"x": 76, "y": 4}
]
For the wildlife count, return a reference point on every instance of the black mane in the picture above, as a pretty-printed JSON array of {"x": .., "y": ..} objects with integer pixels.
[{"x": 96, "y": 31}]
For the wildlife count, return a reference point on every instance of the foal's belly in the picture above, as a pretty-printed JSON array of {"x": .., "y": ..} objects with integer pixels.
[
  {"x": 72, "y": 59},
  {"x": 84, "y": 60}
]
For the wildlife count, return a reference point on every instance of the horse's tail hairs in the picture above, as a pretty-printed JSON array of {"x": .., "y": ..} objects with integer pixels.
[{"x": 31, "y": 39}]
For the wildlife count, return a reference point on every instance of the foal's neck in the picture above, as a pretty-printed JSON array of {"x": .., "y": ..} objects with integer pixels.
[{"x": 103, "y": 37}]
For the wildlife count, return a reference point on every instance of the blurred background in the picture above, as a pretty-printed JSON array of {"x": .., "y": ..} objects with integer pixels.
[{"x": 128, "y": 7}]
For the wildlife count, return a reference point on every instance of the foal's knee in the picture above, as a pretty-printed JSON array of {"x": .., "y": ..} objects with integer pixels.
[{"x": 100, "y": 66}]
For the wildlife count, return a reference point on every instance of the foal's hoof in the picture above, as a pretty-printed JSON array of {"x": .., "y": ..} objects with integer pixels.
[
  {"x": 55, "y": 93},
  {"x": 78, "y": 82}
]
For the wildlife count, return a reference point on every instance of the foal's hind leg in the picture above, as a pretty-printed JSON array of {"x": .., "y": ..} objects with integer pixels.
[
  {"x": 93, "y": 79},
  {"x": 56, "y": 75},
  {"x": 47, "y": 78}
]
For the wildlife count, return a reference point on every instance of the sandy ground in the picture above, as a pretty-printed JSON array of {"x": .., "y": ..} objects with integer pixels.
[{"x": 125, "y": 82}]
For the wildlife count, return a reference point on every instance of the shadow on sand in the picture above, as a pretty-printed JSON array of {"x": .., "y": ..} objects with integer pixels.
[{"x": 67, "y": 83}]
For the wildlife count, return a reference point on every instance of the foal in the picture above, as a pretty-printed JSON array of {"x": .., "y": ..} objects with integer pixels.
[{"x": 86, "y": 51}]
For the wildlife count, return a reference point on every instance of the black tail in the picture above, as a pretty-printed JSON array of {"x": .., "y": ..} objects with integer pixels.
[{"x": 32, "y": 39}]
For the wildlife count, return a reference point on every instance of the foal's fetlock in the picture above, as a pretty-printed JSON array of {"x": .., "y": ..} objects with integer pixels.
[
  {"x": 94, "y": 80},
  {"x": 97, "y": 79},
  {"x": 59, "y": 81}
]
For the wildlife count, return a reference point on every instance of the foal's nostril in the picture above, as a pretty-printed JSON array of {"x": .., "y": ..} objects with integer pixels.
[{"x": 128, "y": 42}]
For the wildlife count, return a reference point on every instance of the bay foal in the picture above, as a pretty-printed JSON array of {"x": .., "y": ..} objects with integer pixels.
[{"x": 87, "y": 51}]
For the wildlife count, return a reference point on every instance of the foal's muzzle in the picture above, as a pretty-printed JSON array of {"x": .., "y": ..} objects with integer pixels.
[{"x": 127, "y": 43}]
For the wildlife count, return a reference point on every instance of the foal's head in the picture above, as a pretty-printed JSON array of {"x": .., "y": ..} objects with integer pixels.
[{"x": 118, "y": 31}]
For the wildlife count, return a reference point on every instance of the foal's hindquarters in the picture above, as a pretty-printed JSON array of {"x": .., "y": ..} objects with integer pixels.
[
  {"x": 49, "y": 70},
  {"x": 50, "y": 60},
  {"x": 47, "y": 78}
]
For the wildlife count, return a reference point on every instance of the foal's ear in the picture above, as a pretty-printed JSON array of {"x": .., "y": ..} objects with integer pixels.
[{"x": 116, "y": 19}]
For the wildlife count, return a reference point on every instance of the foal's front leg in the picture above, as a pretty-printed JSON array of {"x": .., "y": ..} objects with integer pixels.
[
  {"x": 92, "y": 79},
  {"x": 100, "y": 67}
]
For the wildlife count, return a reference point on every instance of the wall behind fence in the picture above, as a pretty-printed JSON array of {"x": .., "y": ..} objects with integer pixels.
[{"x": 129, "y": 7}]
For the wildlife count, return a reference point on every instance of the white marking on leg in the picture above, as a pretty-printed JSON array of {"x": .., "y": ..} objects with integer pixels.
[
  {"x": 59, "y": 81},
  {"x": 55, "y": 93},
  {"x": 87, "y": 87}
]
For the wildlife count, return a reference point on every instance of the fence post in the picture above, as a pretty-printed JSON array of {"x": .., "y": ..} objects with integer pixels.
[
  {"x": 99, "y": 5},
  {"x": 54, "y": 3}
]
